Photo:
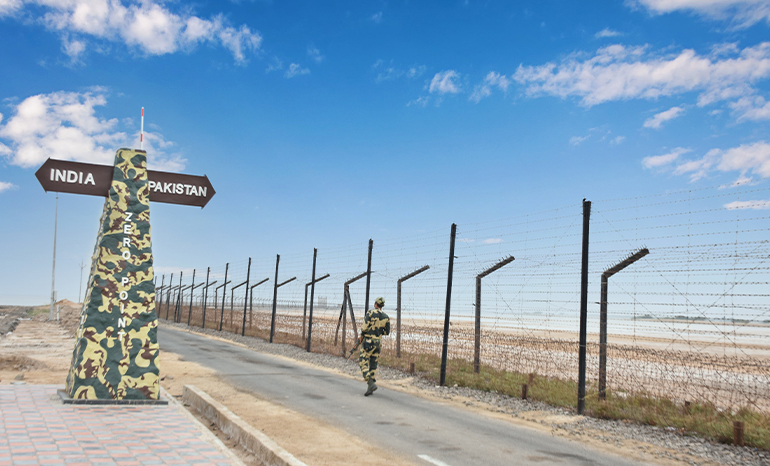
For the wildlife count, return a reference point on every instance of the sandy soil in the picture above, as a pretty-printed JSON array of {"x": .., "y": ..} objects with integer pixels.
[{"x": 39, "y": 352}]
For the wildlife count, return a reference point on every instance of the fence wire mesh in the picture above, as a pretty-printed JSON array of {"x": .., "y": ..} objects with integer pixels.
[{"x": 688, "y": 321}]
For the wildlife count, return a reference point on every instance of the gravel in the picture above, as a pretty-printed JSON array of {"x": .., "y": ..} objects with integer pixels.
[{"x": 674, "y": 444}]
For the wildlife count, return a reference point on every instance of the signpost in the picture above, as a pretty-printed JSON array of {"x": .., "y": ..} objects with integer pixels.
[
  {"x": 63, "y": 176},
  {"x": 116, "y": 349}
]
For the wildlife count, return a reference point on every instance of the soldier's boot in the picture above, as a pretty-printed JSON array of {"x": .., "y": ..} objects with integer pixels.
[{"x": 371, "y": 387}]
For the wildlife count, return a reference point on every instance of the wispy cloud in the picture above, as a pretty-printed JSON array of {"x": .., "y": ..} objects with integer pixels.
[
  {"x": 315, "y": 54},
  {"x": 607, "y": 32},
  {"x": 67, "y": 124},
  {"x": 492, "y": 80},
  {"x": 656, "y": 121},
  {"x": 740, "y": 13},
  {"x": 421, "y": 101},
  {"x": 387, "y": 71},
  {"x": 756, "y": 205},
  {"x": 657, "y": 161},
  {"x": 377, "y": 17},
  {"x": 746, "y": 159},
  {"x": 445, "y": 82},
  {"x": 617, "y": 140},
  {"x": 147, "y": 26},
  {"x": 295, "y": 70},
  {"x": 751, "y": 108},
  {"x": 577, "y": 140},
  {"x": 4, "y": 186},
  {"x": 492, "y": 241},
  {"x": 274, "y": 65},
  {"x": 618, "y": 72}
]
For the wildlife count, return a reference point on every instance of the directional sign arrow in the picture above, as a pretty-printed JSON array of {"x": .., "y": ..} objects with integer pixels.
[
  {"x": 94, "y": 180},
  {"x": 176, "y": 188}
]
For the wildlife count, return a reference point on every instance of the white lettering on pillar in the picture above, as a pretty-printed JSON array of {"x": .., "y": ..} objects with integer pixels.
[{"x": 125, "y": 281}]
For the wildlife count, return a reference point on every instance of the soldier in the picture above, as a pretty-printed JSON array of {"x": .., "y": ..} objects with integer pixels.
[{"x": 376, "y": 324}]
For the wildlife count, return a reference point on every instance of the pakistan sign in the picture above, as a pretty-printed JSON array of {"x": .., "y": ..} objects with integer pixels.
[{"x": 116, "y": 349}]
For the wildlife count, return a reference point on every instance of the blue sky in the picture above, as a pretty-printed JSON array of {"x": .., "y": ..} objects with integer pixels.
[{"x": 327, "y": 123}]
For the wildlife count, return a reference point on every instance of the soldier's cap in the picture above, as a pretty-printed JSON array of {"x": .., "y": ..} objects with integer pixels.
[{"x": 379, "y": 301}]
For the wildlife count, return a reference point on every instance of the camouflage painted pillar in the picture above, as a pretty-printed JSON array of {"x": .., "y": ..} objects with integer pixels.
[{"x": 116, "y": 351}]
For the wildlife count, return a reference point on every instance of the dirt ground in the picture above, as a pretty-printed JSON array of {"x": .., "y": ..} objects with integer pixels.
[{"x": 39, "y": 351}]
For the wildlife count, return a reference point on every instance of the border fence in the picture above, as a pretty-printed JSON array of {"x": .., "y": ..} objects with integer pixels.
[{"x": 675, "y": 291}]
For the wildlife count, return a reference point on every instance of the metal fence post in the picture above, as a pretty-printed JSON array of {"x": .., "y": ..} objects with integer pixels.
[
  {"x": 224, "y": 297},
  {"x": 275, "y": 297},
  {"x": 312, "y": 294},
  {"x": 398, "y": 305},
  {"x": 368, "y": 275},
  {"x": 603, "y": 317},
  {"x": 168, "y": 293},
  {"x": 248, "y": 275},
  {"x": 160, "y": 302},
  {"x": 251, "y": 298},
  {"x": 178, "y": 297},
  {"x": 583, "y": 311},
  {"x": 205, "y": 296},
  {"x": 192, "y": 292},
  {"x": 477, "y": 345},
  {"x": 444, "y": 345}
]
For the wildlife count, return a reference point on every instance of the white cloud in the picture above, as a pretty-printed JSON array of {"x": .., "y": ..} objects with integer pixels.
[
  {"x": 492, "y": 241},
  {"x": 662, "y": 117},
  {"x": 390, "y": 71},
  {"x": 607, "y": 32},
  {"x": 4, "y": 186},
  {"x": 295, "y": 70},
  {"x": 445, "y": 83},
  {"x": 751, "y": 108},
  {"x": 9, "y": 7},
  {"x": 658, "y": 161},
  {"x": 756, "y": 205},
  {"x": 741, "y": 13},
  {"x": 377, "y": 17},
  {"x": 73, "y": 48},
  {"x": 754, "y": 158},
  {"x": 274, "y": 65},
  {"x": 419, "y": 102},
  {"x": 416, "y": 71},
  {"x": 745, "y": 159},
  {"x": 315, "y": 54},
  {"x": 617, "y": 72},
  {"x": 147, "y": 26},
  {"x": 64, "y": 125},
  {"x": 617, "y": 140},
  {"x": 577, "y": 140},
  {"x": 493, "y": 79}
]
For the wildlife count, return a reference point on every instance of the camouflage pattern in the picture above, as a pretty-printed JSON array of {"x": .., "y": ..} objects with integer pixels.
[
  {"x": 376, "y": 324},
  {"x": 116, "y": 349}
]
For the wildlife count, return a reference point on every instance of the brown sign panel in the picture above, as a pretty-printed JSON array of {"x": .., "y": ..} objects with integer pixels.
[
  {"x": 176, "y": 188},
  {"x": 95, "y": 180}
]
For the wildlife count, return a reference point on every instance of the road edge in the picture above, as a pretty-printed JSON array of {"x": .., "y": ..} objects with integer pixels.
[
  {"x": 210, "y": 437},
  {"x": 267, "y": 451}
]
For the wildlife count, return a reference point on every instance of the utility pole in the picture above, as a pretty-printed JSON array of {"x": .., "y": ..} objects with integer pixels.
[
  {"x": 81, "y": 280},
  {"x": 51, "y": 315}
]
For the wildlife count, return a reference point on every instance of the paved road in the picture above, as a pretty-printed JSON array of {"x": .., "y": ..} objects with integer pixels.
[{"x": 396, "y": 421}]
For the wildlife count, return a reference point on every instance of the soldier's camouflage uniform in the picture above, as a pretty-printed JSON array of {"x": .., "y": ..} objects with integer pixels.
[
  {"x": 116, "y": 350},
  {"x": 376, "y": 324}
]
